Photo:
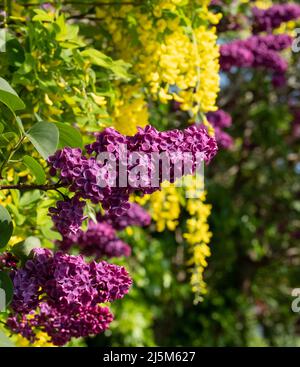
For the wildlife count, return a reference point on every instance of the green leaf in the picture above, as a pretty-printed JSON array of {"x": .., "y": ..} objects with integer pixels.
[
  {"x": 44, "y": 136},
  {"x": 7, "y": 285},
  {"x": 23, "y": 249},
  {"x": 29, "y": 197},
  {"x": 20, "y": 124},
  {"x": 19, "y": 218},
  {"x": 7, "y": 138},
  {"x": 50, "y": 234},
  {"x": 6, "y": 226},
  {"x": 43, "y": 16},
  {"x": 97, "y": 57},
  {"x": 119, "y": 67},
  {"x": 68, "y": 136},
  {"x": 91, "y": 212},
  {"x": 35, "y": 168},
  {"x": 5, "y": 341},
  {"x": 9, "y": 97}
]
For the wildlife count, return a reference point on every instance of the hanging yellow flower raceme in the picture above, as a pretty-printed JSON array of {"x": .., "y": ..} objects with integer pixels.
[
  {"x": 198, "y": 237},
  {"x": 175, "y": 57},
  {"x": 165, "y": 207},
  {"x": 130, "y": 109}
]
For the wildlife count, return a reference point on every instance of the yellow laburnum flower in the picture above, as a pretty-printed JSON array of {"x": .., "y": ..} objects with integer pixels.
[
  {"x": 14, "y": 240},
  {"x": 130, "y": 110},
  {"x": 163, "y": 206},
  {"x": 5, "y": 198},
  {"x": 48, "y": 101},
  {"x": 100, "y": 100},
  {"x": 171, "y": 59},
  {"x": 198, "y": 237},
  {"x": 288, "y": 28},
  {"x": 10, "y": 175},
  {"x": 265, "y": 4},
  {"x": 42, "y": 341}
]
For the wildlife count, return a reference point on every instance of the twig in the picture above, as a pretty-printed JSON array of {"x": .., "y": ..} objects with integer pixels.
[
  {"x": 93, "y": 3},
  {"x": 23, "y": 187}
]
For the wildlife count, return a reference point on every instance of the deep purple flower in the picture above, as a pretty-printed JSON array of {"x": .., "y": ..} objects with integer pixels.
[
  {"x": 220, "y": 120},
  {"x": 68, "y": 215},
  {"x": 8, "y": 261},
  {"x": 134, "y": 216},
  {"x": 257, "y": 52},
  {"x": 60, "y": 295},
  {"x": 273, "y": 17},
  {"x": 100, "y": 240},
  {"x": 129, "y": 160}
]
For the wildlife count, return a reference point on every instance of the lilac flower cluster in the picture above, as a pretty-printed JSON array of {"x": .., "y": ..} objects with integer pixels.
[
  {"x": 134, "y": 216},
  {"x": 8, "y": 261},
  {"x": 147, "y": 141},
  {"x": 257, "y": 52},
  {"x": 60, "y": 295},
  {"x": 220, "y": 120},
  {"x": 99, "y": 180},
  {"x": 68, "y": 215},
  {"x": 100, "y": 240},
  {"x": 273, "y": 17},
  {"x": 78, "y": 172}
]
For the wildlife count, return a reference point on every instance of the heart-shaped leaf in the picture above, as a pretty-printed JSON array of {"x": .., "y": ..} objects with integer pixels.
[
  {"x": 36, "y": 169},
  {"x": 68, "y": 136},
  {"x": 44, "y": 136},
  {"x": 23, "y": 249},
  {"x": 9, "y": 97}
]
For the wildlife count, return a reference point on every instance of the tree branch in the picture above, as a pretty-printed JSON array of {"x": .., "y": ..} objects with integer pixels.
[
  {"x": 23, "y": 187},
  {"x": 94, "y": 3}
]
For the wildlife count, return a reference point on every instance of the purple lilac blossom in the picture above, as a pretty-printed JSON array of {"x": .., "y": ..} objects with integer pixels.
[
  {"x": 83, "y": 174},
  {"x": 257, "y": 52},
  {"x": 68, "y": 215},
  {"x": 220, "y": 120},
  {"x": 8, "y": 261},
  {"x": 270, "y": 18},
  {"x": 60, "y": 295},
  {"x": 134, "y": 216},
  {"x": 100, "y": 240}
]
